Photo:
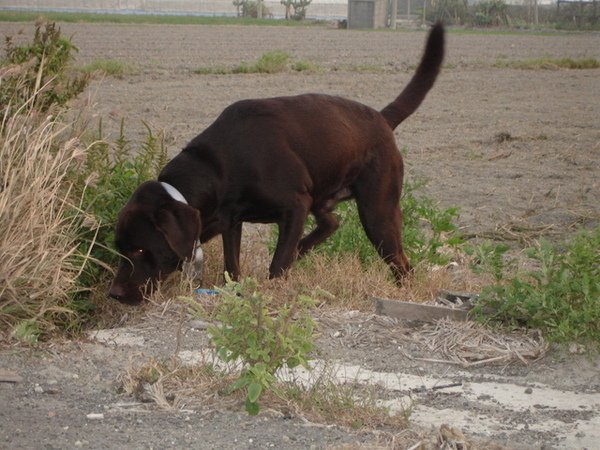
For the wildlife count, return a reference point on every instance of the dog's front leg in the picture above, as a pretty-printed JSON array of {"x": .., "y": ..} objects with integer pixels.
[
  {"x": 290, "y": 232},
  {"x": 232, "y": 238}
]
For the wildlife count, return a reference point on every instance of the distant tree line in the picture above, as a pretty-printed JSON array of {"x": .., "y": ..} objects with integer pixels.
[
  {"x": 563, "y": 14},
  {"x": 294, "y": 9}
]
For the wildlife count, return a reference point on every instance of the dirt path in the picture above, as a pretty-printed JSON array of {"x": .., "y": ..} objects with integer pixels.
[
  {"x": 509, "y": 147},
  {"x": 69, "y": 394}
]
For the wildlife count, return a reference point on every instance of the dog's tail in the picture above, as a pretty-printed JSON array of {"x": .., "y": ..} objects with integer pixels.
[{"x": 413, "y": 94}]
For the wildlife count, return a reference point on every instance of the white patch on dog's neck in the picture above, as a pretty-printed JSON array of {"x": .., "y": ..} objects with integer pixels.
[
  {"x": 173, "y": 192},
  {"x": 198, "y": 254}
]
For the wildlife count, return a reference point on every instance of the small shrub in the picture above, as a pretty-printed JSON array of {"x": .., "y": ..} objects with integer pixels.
[
  {"x": 272, "y": 62},
  {"x": 40, "y": 71},
  {"x": 263, "y": 338},
  {"x": 109, "y": 176},
  {"x": 488, "y": 258},
  {"x": 427, "y": 228},
  {"x": 561, "y": 296}
]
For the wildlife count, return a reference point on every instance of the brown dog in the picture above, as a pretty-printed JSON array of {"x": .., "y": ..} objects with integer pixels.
[{"x": 274, "y": 161}]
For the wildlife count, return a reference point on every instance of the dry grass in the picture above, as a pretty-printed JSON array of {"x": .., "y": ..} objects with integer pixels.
[
  {"x": 340, "y": 281},
  {"x": 470, "y": 344},
  {"x": 38, "y": 236},
  {"x": 171, "y": 385}
]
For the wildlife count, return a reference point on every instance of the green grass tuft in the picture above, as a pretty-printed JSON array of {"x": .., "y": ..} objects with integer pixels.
[
  {"x": 109, "y": 67},
  {"x": 549, "y": 63},
  {"x": 275, "y": 61}
]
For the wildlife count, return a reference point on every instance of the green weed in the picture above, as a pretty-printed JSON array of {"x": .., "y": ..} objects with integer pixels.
[
  {"x": 40, "y": 71},
  {"x": 561, "y": 296},
  {"x": 110, "y": 174},
  {"x": 349, "y": 404},
  {"x": 549, "y": 63},
  {"x": 275, "y": 61},
  {"x": 272, "y": 62},
  {"x": 109, "y": 67},
  {"x": 305, "y": 66},
  {"x": 264, "y": 338},
  {"x": 27, "y": 331}
]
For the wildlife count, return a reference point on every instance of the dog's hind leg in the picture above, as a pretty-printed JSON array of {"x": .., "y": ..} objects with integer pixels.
[
  {"x": 327, "y": 223},
  {"x": 290, "y": 230},
  {"x": 384, "y": 230},
  {"x": 232, "y": 239},
  {"x": 381, "y": 218}
]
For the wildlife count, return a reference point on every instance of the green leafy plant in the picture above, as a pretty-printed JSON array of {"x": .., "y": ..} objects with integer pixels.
[
  {"x": 488, "y": 258},
  {"x": 27, "y": 331},
  {"x": 427, "y": 227},
  {"x": 262, "y": 337},
  {"x": 41, "y": 68},
  {"x": 561, "y": 296},
  {"x": 110, "y": 174}
]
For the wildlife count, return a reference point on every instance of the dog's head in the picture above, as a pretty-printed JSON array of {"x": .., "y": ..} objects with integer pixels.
[{"x": 154, "y": 235}]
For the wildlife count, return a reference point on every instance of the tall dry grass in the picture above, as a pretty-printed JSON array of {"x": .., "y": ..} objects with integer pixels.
[{"x": 38, "y": 227}]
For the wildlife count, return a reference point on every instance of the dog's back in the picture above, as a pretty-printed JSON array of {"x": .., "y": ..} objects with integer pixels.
[{"x": 320, "y": 129}]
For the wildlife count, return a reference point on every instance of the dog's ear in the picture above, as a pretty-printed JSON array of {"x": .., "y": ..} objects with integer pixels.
[{"x": 180, "y": 224}]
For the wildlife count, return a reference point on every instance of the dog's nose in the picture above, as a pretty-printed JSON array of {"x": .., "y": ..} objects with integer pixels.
[{"x": 117, "y": 292}]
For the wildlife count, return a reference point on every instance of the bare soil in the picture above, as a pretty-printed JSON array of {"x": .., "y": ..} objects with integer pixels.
[{"x": 516, "y": 150}]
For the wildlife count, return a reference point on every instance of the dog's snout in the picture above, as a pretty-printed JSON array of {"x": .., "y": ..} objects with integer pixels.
[{"x": 117, "y": 292}]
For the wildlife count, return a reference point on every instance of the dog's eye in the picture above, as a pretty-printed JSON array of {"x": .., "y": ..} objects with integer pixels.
[{"x": 138, "y": 252}]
